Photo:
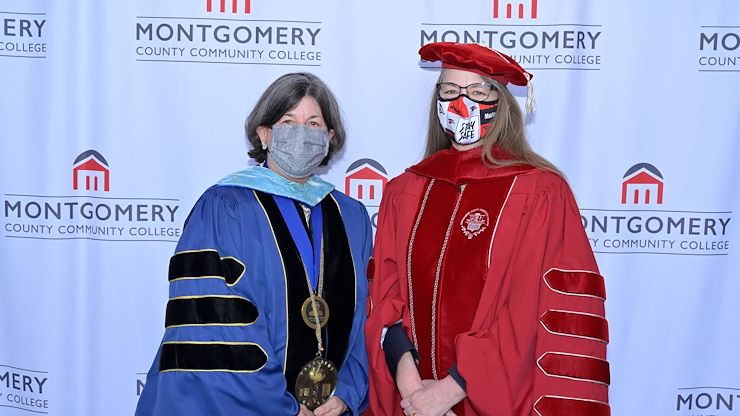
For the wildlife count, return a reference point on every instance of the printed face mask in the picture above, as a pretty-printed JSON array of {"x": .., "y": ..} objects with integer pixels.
[
  {"x": 464, "y": 120},
  {"x": 297, "y": 150}
]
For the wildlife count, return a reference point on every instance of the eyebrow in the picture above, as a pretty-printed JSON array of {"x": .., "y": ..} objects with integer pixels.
[
  {"x": 472, "y": 83},
  {"x": 290, "y": 114}
]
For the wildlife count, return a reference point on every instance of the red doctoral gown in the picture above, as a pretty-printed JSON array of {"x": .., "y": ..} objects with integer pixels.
[{"x": 489, "y": 270}]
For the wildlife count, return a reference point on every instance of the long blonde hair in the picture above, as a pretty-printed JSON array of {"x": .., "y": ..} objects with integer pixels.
[{"x": 507, "y": 132}]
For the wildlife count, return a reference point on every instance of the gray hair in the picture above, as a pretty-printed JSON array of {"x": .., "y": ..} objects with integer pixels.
[{"x": 283, "y": 95}]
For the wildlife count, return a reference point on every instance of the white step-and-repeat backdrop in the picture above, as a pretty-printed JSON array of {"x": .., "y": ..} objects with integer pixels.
[{"x": 115, "y": 116}]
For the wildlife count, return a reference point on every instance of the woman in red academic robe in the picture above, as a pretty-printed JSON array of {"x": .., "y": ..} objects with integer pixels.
[{"x": 486, "y": 298}]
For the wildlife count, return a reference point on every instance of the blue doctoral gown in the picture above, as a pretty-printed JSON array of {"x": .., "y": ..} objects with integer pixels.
[{"x": 234, "y": 339}]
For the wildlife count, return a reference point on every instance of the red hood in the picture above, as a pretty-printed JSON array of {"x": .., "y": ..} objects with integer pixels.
[{"x": 458, "y": 167}]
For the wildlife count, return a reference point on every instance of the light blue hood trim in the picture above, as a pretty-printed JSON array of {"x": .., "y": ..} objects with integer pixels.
[{"x": 263, "y": 179}]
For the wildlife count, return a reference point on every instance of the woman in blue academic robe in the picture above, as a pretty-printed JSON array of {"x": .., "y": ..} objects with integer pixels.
[{"x": 267, "y": 285}]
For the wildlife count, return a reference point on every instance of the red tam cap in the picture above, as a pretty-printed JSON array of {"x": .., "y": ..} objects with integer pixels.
[{"x": 480, "y": 60}]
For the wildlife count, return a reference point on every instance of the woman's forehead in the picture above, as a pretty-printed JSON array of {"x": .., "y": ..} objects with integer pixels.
[
  {"x": 460, "y": 77},
  {"x": 307, "y": 104}
]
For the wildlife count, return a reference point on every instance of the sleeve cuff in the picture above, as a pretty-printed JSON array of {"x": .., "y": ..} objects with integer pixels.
[
  {"x": 395, "y": 344},
  {"x": 458, "y": 378},
  {"x": 340, "y": 396}
]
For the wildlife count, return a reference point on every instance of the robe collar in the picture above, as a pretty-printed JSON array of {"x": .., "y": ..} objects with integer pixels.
[
  {"x": 458, "y": 167},
  {"x": 263, "y": 179}
]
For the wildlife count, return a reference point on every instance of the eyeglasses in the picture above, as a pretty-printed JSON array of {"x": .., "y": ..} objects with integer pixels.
[{"x": 478, "y": 92}]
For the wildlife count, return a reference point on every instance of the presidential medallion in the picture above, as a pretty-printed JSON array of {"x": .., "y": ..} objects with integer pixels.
[
  {"x": 312, "y": 317},
  {"x": 316, "y": 382},
  {"x": 474, "y": 222}
]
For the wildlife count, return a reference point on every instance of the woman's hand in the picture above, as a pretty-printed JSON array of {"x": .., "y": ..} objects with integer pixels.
[
  {"x": 304, "y": 411},
  {"x": 333, "y": 407},
  {"x": 407, "y": 376},
  {"x": 436, "y": 398}
]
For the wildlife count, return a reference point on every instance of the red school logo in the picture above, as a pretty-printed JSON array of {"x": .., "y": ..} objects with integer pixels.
[
  {"x": 514, "y": 9},
  {"x": 90, "y": 172},
  {"x": 231, "y": 6},
  {"x": 642, "y": 185}
]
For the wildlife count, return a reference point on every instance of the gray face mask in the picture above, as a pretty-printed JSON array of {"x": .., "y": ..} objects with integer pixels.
[{"x": 297, "y": 150}]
